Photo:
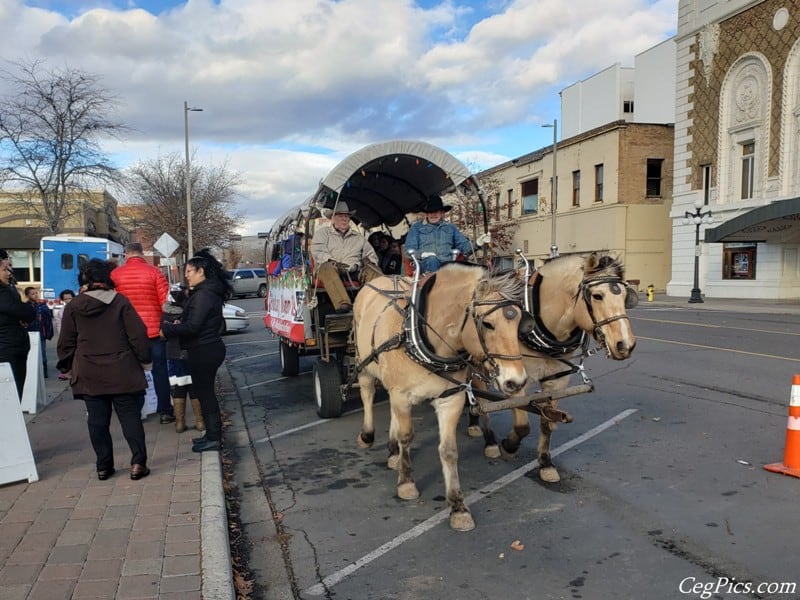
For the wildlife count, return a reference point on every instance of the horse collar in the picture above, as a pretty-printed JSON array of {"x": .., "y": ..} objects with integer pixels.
[
  {"x": 540, "y": 339},
  {"x": 416, "y": 340}
]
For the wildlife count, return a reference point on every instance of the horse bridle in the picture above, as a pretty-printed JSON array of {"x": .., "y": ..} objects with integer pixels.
[
  {"x": 480, "y": 328},
  {"x": 585, "y": 291}
]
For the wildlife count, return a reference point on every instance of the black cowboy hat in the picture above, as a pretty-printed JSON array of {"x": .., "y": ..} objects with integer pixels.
[{"x": 434, "y": 204}]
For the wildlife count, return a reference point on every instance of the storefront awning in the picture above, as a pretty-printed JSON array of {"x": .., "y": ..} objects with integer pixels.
[{"x": 775, "y": 223}]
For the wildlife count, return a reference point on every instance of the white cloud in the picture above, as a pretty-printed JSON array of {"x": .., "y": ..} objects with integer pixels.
[{"x": 289, "y": 88}]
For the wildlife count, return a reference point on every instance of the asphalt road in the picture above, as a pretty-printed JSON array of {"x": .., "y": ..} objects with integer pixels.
[{"x": 663, "y": 494}]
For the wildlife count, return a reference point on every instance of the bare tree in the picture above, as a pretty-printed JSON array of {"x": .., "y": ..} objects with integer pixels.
[
  {"x": 158, "y": 186},
  {"x": 51, "y": 124},
  {"x": 468, "y": 214}
]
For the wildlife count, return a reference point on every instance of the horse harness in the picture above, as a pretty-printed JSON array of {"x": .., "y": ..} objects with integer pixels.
[
  {"x": 541, "y": 340},
  {"x": 417, "y": 345}
]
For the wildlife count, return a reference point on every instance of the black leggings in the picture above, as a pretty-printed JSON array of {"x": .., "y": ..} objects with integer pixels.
[{"x": 203, "y": 364}]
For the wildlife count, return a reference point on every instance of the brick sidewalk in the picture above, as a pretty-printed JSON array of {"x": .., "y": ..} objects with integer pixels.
[{"x": 71, "y": 536}]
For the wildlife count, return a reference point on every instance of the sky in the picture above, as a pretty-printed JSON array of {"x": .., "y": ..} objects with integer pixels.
[{"x": 289, "y": 88}]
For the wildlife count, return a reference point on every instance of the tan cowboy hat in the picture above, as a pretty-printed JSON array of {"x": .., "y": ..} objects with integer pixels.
[
  {"x": 341, "y": 207},
  {"x": 435, "y": 204}
]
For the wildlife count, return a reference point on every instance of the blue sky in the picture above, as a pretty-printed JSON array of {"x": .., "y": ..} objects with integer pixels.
[{"x": 290, "y": 87}]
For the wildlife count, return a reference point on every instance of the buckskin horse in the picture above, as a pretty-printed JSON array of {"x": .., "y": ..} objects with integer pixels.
[
  {"x": 423, "y": 345},
  {"x": 572, "y": 299}
]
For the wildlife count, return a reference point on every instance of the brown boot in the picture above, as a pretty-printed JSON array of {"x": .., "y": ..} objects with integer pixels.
[
  {"x": 179, "y": 404},
  {"x": 199, "y": 423}
]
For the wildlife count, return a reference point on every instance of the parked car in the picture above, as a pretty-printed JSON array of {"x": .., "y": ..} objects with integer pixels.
[
  {"x": 235, "y": 318},
  {"x": 248, "y": 282}
]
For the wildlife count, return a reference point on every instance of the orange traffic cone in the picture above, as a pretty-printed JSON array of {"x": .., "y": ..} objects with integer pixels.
[{"x": 791, "y": 453}]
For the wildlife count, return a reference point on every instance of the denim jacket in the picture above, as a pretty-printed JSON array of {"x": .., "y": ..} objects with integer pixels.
[{"x": 439, "y": 239}]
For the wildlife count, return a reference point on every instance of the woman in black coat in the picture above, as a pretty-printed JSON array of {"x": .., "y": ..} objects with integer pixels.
[
  {"x": 199, "y": 330},
  {"x": 14, "y": 317}
]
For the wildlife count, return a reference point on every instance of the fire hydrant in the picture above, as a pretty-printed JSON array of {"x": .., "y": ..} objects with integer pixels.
[{"x": 651, "y": 292}]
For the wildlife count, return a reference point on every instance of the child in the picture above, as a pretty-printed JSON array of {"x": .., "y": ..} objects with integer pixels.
[
  {"x": 43, "y": 323},
  {"x": 177, "y": 367}
]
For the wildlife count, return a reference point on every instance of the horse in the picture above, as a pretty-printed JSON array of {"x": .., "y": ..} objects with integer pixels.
[
  {"x": 571, "y": 298},
  {"x": 466, "y": 315}
]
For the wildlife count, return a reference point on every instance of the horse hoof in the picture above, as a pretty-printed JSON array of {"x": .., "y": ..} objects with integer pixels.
[
  {"x": 362, "y": 443},
  {"x": 549, "y": 475},
  {"x": 408, "y": 491},
  {"x": 474, "y": 431},
  {"x": 492, "y": 452},
  {"x": 461, "y": 521},
  {"x": 393, "y": 462}
]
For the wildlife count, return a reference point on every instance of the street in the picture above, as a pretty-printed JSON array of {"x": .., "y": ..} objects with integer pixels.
[{"x": 663, "y": 494}]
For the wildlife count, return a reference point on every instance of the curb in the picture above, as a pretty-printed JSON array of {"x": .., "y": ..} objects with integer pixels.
[{"x": 216, "y": 566}]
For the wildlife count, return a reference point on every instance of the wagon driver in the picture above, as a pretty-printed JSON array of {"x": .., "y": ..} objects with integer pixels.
[
  {"x": 433, "y": 239},
  {"x": 339, "y": 249}
]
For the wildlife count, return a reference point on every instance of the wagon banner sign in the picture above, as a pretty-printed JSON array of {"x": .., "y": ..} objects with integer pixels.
[{"x": 284, "y": 309}]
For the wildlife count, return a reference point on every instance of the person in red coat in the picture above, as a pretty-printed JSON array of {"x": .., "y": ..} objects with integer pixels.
[{"x": 147, "y": 289}]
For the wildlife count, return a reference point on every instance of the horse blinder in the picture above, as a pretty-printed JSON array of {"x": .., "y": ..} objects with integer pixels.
[
  {"x": 526, "y": 323},
  {"x": 631, "y": 298}
]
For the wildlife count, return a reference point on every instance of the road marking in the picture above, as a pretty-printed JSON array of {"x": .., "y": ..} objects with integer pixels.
[
  {"x": 250, "y": 342},
  {"x": 415, "y": 532},
  {"x": 253, "y": 356},
  {"x": 308, "y": 425},
  {"x": 252, "y": 385},
  {"x": 709, "y": 326},
  {"x": 704, "y": 347}
]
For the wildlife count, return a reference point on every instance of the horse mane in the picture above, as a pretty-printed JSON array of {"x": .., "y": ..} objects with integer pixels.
[
  {"x": 609, "y": 265},
  {"x": 505, "y": 282},
  {"x": 584, "y": 266}
]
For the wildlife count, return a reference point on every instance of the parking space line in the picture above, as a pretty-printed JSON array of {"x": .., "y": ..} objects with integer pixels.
[
  {"x": 415, "y": 532},
  {"x": 307, "y": 426},
  {"x": 252, "y": 385},
  {"x": 248, "y": 357}
]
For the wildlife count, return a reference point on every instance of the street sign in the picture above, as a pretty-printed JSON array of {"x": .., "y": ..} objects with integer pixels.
[{"x": 166, "y": 245}]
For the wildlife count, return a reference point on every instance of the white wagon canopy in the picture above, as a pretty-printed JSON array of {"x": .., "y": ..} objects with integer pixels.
[{"x": 385, "y": 181}]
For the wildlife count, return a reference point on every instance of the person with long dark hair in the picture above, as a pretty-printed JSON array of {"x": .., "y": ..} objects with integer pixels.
[
  {"x": 199, "y": 330},
  {"x": 14, "y": 340},
  {"x": 104, "y": 346}
]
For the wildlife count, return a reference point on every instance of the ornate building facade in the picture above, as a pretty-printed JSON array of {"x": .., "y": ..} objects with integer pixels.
[{"x": 737, "y": 149}]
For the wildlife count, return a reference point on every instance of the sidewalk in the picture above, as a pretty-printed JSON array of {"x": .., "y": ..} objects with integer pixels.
[
  {"x": 70, "y": 535},
  {"x": 777, "y": 307}
]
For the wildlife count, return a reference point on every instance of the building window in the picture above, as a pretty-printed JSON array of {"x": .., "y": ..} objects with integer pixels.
[
  {"x": 598, "y": 183},
  {"x": 497, "y": 206},
  {"x": 26, "y": 265},
  {"x": 748, "y": 168},
  {"x": 530, "y": 197},
  {"x": 510, "y": 200},
  {"x": 739, "y": 261},
  {"x": 654, "y": 176},
  {"x": 576, "y": 188},
  {"x": 706, "y": 184},
  {"x": 627, "y": 106}
]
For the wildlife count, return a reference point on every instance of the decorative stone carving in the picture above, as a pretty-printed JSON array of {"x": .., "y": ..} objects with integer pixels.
[{"x": 709, "y": 43}]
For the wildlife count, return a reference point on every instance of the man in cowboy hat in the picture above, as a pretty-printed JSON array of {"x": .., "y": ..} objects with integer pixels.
[
  {"x": 339, "y": 249},
  {"x": 433, "y": 239}
]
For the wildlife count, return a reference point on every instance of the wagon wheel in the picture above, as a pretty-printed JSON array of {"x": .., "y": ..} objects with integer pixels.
[
  {"x": 327, "y": 388},
  {"x": 262, "y": 290},
  {"x": 290, "y": 360}
]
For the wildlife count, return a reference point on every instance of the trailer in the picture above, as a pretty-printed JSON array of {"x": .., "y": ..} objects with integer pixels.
[{"x": 63, "y": 256}]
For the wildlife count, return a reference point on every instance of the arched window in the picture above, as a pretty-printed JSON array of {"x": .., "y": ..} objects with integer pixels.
[{"x": 744, "y": 129}]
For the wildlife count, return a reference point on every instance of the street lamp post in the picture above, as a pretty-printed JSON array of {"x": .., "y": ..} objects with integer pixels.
[
  {"x": 187, "y": 181},
  {"x": 554, "y": 203},
  {"x": 697, "y": 218}
]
